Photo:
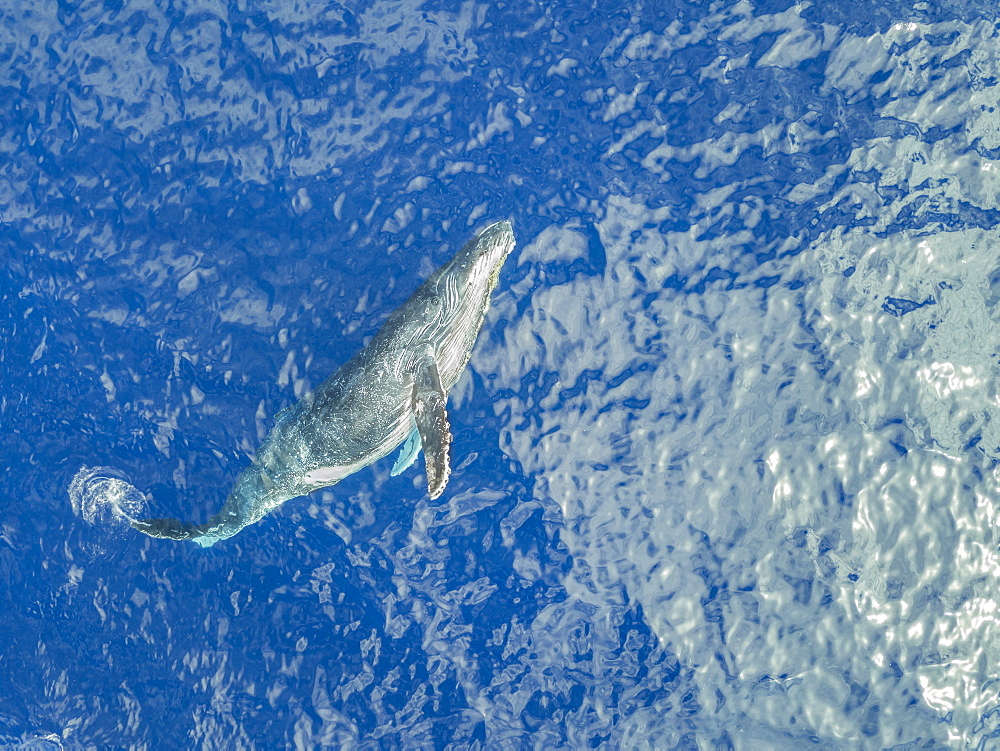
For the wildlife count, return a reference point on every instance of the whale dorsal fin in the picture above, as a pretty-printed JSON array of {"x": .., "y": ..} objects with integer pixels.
[
  {"x": 280, "y": 417},
  {"x": 294, "y": 408},
  {"x": 431, "y": 416}
]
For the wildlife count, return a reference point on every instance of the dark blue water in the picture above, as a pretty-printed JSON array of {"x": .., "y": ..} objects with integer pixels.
[{"x": 725, "y": 453}]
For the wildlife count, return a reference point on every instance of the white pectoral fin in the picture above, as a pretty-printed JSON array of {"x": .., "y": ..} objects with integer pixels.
[
  {"x": 407, "y": 454},
  {"x": 431, "y": 416}
]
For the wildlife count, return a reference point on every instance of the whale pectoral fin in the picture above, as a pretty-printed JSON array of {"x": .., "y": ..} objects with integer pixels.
[
  {"x": 407, "y": 454},
  {"x": 167, "y": 529},
  {"x": 431, "y": 416}
]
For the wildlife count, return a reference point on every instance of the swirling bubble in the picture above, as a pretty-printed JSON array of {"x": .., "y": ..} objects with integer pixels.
[{"x": 104, "y": 498}]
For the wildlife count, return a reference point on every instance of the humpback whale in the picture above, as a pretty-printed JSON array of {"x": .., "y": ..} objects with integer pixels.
[{"x": 393, "y": 390}]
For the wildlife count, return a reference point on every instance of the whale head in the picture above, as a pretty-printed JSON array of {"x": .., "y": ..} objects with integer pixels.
[
  {"x": 476, "y": 267},
  {"x": 457, "y": 296}
]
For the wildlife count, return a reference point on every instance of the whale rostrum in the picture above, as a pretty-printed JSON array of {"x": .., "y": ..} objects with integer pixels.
[{"x": 393, "y": 390}]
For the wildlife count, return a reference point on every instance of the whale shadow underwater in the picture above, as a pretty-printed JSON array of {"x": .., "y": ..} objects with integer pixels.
[{"x": 393, "y": 390}]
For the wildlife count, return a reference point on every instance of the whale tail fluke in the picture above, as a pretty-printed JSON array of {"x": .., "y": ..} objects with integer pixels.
[{"x": 168, "y": 529}]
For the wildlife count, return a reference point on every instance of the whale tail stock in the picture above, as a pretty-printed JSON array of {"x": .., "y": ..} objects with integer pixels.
[{"x": 168, "y": 529}]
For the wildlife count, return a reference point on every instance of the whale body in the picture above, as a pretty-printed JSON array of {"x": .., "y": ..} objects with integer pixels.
[{"x": 394, "y": 389}]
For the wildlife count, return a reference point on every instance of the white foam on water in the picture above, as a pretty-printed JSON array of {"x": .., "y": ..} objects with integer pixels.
[{"x": 104, "y": 498}]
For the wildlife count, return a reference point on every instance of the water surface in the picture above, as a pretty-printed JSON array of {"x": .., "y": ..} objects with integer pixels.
[{"x": 725, "y": 452}]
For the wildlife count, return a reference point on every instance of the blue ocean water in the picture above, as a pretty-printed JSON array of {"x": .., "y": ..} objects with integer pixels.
[{"x": 726, "y": 450}]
